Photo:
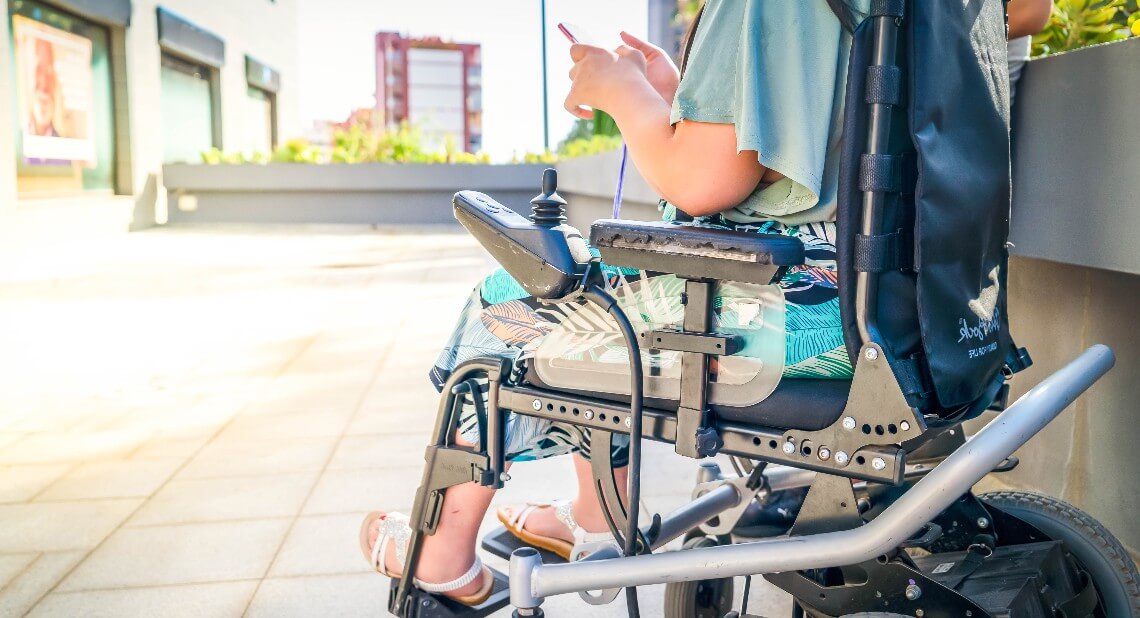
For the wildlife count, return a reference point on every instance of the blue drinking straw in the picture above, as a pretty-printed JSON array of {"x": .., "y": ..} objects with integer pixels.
[{"x": 620, "y": 182}]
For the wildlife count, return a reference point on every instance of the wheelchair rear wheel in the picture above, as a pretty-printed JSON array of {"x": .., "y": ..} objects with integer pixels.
[
  {"x": 708, "y": 598},
  {"x": 1095, "y": 549}
]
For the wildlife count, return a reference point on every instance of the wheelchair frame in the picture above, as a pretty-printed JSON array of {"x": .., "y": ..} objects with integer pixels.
[{"x": 869, "y": 441}]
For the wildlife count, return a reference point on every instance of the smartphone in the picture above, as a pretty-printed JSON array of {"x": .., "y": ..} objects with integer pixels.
[{"x": 576, "y": 34}]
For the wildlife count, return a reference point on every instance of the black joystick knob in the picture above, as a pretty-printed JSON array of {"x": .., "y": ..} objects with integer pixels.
[{"x": 549, "y": 207}]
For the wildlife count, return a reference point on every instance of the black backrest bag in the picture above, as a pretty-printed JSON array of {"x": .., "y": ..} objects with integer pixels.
[{"x": 942, "y": 252}]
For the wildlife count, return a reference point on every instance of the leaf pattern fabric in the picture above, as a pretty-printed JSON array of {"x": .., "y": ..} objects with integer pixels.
[{"x": 501, "y": 320}]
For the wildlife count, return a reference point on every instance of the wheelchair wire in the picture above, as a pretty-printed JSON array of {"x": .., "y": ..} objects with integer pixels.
[{"x": 599, "y": 296}]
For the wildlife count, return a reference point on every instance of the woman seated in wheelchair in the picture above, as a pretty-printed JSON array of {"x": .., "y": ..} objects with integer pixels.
[{"x": 748, "y": 139}]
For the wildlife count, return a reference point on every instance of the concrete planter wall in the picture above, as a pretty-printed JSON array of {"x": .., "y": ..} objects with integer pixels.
[
  {"x": 391, "y": 194},
  {"x": 375, "y": 194}
]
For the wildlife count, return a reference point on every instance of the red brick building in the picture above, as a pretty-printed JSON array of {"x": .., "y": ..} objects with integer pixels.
[{"x": 432, "y": 84}]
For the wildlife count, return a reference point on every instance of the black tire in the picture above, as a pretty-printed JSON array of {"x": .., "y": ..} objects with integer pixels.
[
  {"x": 1110, "y": 567},
  {"x": 874, "y": 615},
  {"x": 708, "y": 598}
]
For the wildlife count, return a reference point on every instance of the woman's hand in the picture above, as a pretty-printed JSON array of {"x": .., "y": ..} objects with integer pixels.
[
  {"x": 601, "y": 77},
  {"x": 659, "y": 68}
]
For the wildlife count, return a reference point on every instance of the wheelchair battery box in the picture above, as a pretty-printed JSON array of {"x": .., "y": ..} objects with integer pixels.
[
  {"x": 1016, "y": 581},
  {"x": 548, "y": 261}
]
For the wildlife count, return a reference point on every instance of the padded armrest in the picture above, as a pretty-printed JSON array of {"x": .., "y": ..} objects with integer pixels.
[{"x": 695, "y": 252}]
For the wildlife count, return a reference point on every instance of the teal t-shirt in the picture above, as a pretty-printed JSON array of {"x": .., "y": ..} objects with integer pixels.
[{"x": 777, "y": 70}]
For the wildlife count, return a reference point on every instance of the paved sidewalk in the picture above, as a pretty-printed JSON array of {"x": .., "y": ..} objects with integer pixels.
[{"x": 193, "y": 421}]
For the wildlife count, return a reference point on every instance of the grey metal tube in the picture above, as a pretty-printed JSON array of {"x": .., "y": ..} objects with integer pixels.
[
  {"x": 930, "y": 496},
  {"x": 696, "y": 513}
]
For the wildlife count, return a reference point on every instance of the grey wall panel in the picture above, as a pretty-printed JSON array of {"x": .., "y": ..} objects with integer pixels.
[
  {"x": 375, "y": 194},
  {"x": 109, "y": 12},
  {"x": 1076, "y": 158},
  {"x": 187, "y": 39}
]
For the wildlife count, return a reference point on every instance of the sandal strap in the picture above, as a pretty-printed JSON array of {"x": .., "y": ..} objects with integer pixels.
[
  {"x": 394, "y": 527},
  {"x": 455, "y": 584},
  {"x": 518, "y": 517},
  {"x": 563, "y": 510}
]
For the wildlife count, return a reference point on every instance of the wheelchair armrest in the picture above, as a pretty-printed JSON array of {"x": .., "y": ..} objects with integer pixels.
[{"x": 695, "y": 252}]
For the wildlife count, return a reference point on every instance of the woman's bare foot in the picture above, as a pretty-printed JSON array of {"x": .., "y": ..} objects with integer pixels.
[{"x": 545, "y": 522}]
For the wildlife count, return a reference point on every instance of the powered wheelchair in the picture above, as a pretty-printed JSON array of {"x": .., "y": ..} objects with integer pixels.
[{"x": 889, "y": 525}]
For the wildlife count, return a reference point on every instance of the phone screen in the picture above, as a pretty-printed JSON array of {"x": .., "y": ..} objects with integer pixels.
[{"x": 576, "y": 34}]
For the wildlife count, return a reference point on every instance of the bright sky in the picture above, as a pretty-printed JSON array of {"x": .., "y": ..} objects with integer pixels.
[{"x": 337, "y": 56}]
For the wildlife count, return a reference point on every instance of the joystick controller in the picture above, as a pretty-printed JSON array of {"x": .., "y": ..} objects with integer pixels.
[
  {"x": 549, "y": 209},
  {"x": 544, "y": 254}
]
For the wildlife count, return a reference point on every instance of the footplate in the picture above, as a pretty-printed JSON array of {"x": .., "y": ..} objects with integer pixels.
[
  {"x": 500, "y": 542},
  {"x": 422, "y": 604}
]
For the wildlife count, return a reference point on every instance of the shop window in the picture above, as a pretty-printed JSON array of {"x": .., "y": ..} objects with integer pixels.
[
  {"x": 188, "y": 114},
  {"x": 259, "y": 122},
  {"x": 62, "y": 104}
]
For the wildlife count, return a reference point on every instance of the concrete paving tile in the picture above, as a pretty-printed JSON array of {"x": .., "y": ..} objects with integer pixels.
[
  {"x": 12, "y": 565},
  {"x": 413, "y": 420},
  {"x": 226, "y": 458},
  {"x": 285, "y": 426},
  {"x": 57, "y": 448},
  {"x": 57, "y": 526},
  {"x": 192, "y": 601},
  {"x": 178, "y": 420},
  {"x": 321, "y": 545},
  {"x": 363, "y": 490},
  {"x": 321, "y": 596},
  {"x": 370, "y": 451},
  {"x": 21, "y": 483},
  {"x": 183, "y": 554},
  {"x": 175, "y": 446},
  {"x": 112, "y": 479},
  {"x": 39, "y": 577},
  {"x": 8, "y": 437},
  {"x": 204, "y": 500}
]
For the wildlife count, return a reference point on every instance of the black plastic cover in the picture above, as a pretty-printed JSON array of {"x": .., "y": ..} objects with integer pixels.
[
  {"x": 945, "y": 314},
  {"x": 959, "y": 121},
  {"x": 1019, "y": 580},
  {"x": 693, "y": 251},
  {"x": 548, "y": 261}
]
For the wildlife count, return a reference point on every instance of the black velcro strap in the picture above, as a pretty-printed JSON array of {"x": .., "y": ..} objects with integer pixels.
[
  {"x": 1017, "y": 360},
  {"x": 881, "y": 252},
  {"x": 908, "y": 374},
  {"x": 884, "y": 84},
  {"x": 1084, "y": 603},
  {"x": 890, "y": 8},
  {"x": 880, "y": 172},
  {"x": 976, "y": 555}
]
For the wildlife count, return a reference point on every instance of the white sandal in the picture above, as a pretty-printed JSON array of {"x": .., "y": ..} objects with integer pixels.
[
  {"x": 395, "y": 527},
  {"x": 515, "y": 522}
]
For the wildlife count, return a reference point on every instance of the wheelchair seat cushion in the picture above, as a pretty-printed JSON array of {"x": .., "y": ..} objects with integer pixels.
[{"x": 804, "y": 405}]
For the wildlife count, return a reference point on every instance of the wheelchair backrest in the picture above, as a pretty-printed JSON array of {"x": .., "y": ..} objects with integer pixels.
[{"x": 937, "y": 169}]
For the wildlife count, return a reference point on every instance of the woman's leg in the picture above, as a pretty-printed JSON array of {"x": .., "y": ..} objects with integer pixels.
[{"x": 450, "y": 552}]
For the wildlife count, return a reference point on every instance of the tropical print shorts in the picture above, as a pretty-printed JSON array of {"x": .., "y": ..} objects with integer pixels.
[{"x": 501, "y": 320}]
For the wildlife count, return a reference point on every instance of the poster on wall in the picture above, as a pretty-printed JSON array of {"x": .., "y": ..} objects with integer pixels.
[{"x": 55, "y": 86}]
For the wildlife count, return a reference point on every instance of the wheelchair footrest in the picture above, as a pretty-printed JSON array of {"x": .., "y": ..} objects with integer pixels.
[
  {"x": 502, "y": 543},
  {"x": 422, "y": 604}
]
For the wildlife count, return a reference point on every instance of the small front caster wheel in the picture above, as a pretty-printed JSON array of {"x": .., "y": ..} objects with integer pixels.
[{"x": 708, "y": 598}]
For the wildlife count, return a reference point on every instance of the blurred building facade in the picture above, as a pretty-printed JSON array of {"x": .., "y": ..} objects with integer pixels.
[
  {"x": 101, "y": 94},
  {"x": 432, "y": 84}
]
